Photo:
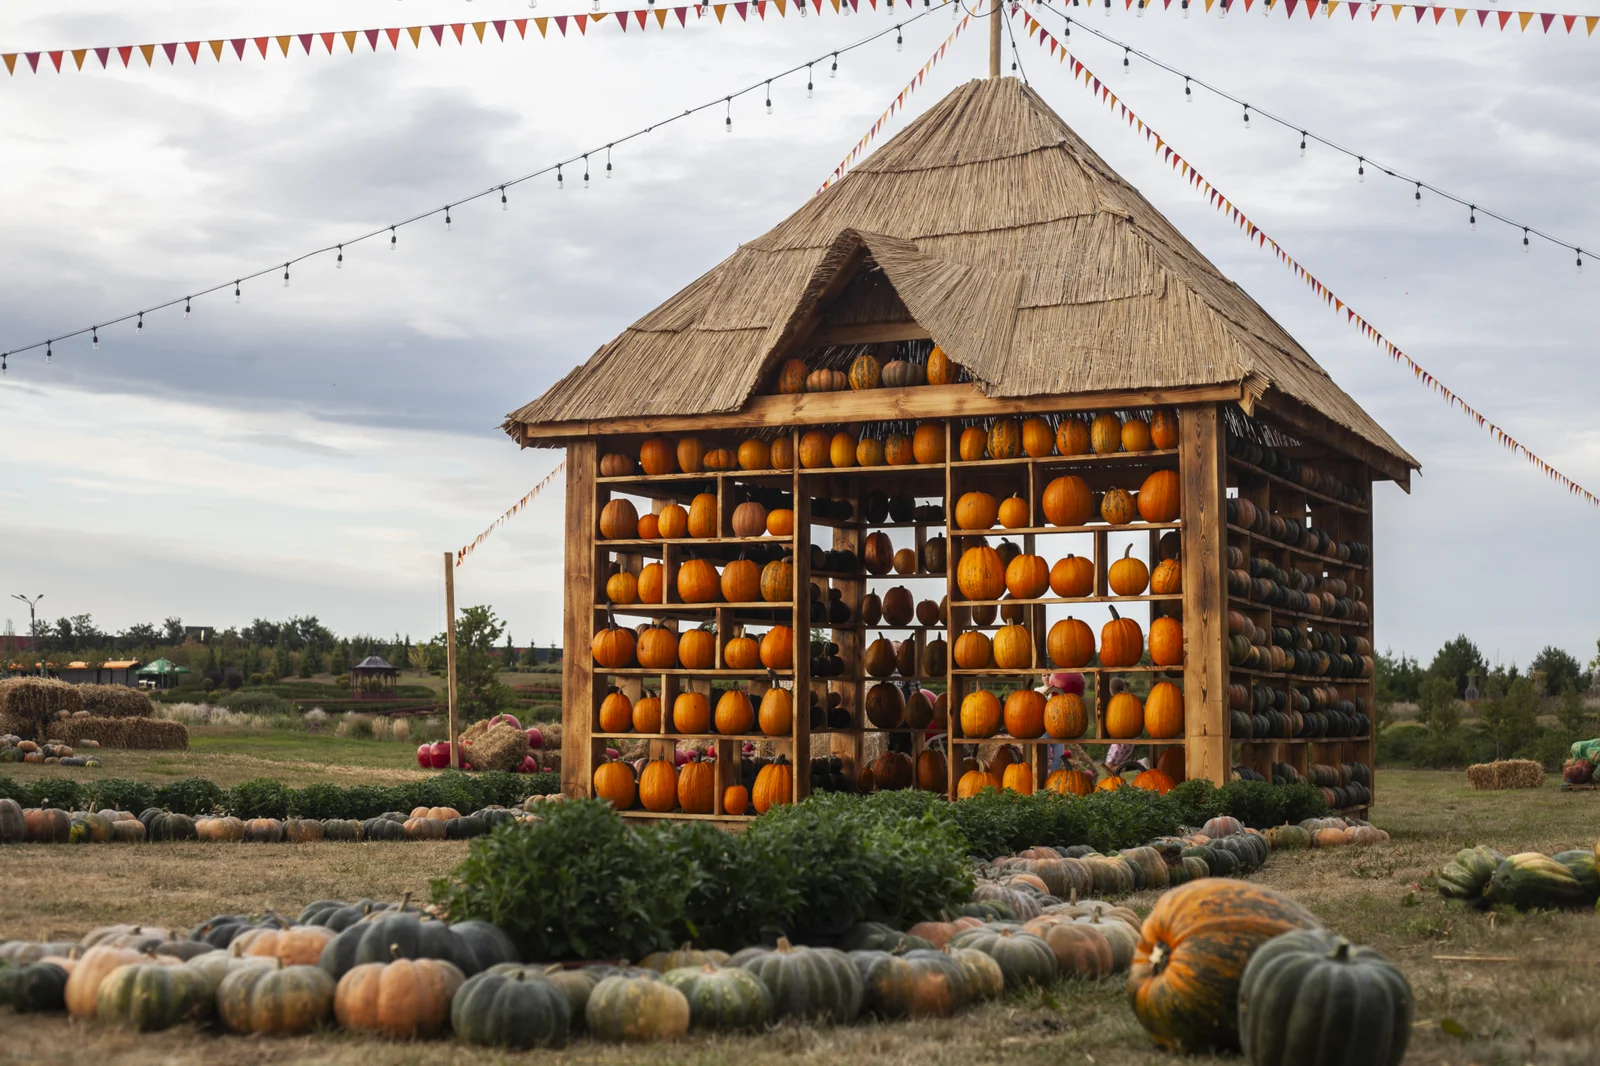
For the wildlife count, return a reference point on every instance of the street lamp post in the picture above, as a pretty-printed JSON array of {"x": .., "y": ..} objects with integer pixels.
[{"x": 33, "y": 625}]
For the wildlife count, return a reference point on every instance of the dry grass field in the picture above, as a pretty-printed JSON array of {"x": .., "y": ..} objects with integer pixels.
[{"x": 1540, "y": 1005}]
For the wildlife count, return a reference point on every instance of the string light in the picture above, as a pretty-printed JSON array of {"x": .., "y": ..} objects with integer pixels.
[
  {"x": 809, "y": 87},
  {"x": 140, "y": 326},
  {"x": 608, "y": 162},
  {"x": 1224, "y": 13},
  {"x": 559, "y": 185},
  {"x": 727, "y": 123},
  {"x": 1361, "y": 169},
  {"x": 1580, "y": 260},
  {"x": 1418, "y": 199},
  {"x": 1246, "y": 116},
  {"x": 1472, "y": 218},
  {"x": 286, "y": 275},
  {"x": 1302, "y": 144},
  {"x": 238, "y": 296},
  {"x": 94, "y": 338},
  {"x": 186, "y": 308},
  {"x": 1140, "y": 13},
  {"x": 505, "y": 205},
  {"x": 833, "y": 71},
  {"x": 447, "y": 218},
  {"x": 1126, "y": 65},
  {"x": 48, "y": 353},
  {"x": 338, "y": 264},
  {"x": 585, "y": 171},
  {"x": 1108, "y": 8},
  {"x": 1525, "y": 248},
  {"x": 1185, "y": 8},
  {"x": 1188, "y": 93},
  {"x": 899, "y": 41}
]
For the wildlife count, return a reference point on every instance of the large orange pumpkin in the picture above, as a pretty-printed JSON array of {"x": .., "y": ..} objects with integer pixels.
[
  {"x": 657, "y": 456},
  {"x": 1135, "y": 435},
  {"x": 755, "y": 454},
  {"x": 697, "y": 581},
  {"x": 1072, "y": 577},
  {"x": 652, "y": 583},
  {"x": 1164, "y": 428},
  {"x": 1018, "y": 777},
  {"x": 780, "y": 522},
  {"x": 1155, "y": 781},
  {"x": 647, "y": 714},
  {"x": 1160, "y": 496},
  {"x": 814, "y": 449},
  {"x": 792, "y": 376},
  {"x": 697, "y": 783},
  {"x": 1005, "y": 439},
  {"x": 657, "y": 647},
  {"x": 1024, "y": 714},
  {"x": 1070, "y": 782},
  {"x": 1167, "y": 577},
  {"x": 649, "y": 526},
  {"x": 1027, "y": 577},
  {"x": 1037, "y": 437},
  {"x": 1116, "y": 507},
  {"x": 869, "y": 452},
  {"x": 622, "y": 588},
  {"x": 972, "y": 651},
  {"x": 1013, "y": 648},
  {"x": 782, "y": 454},
  {"x": 1128, "y": 576},
  {"x": 980, "y": 575},
  {"x": 975, "y": 781},
  {"x": 1072, "y": 436},
  {"x": 777, "y": 648},
  {"x": 691, "y": 455},
  {"x": 741, "y": 581},
  {"x": 619, "y": 520},
  {"x": 616, "y": 712},
  {"x": 927, "y": 443},
  {"x": 614, "y": 783},
  {"x": 897, "y": 450},
  {"x": 776, "y": 714},
  {"x": 1184, "y": 981},
  {"x": 1067, "y": 502},
  {"x": 673, "y": 522},
  {"x": 658, "y": 786},
  {"x": 974, "y": 442},
  {"x": 1065, "y": 716},
  {"x": 691, "y": 713},
  {"x": 777, "y": 581},
  {"x": 741, "y": 653},
  {"x": 842, "y": 449},
  {"x": 980, "y": 714},
  {"x": 976, "y": 510},
  {"x": 1105, "y": 433},
  {"x": 734, "y": 714},
  {"x": 697, "y": 649},
  {"x": 612, "y": 647},
  {"x": 1166, "y": 641},
  {"x": 1163, "y": 711},
  {"x": 774, "y": 785},
  {"x": 1013, "y": 512},
  {"x": 1070, "y": 644},
  {"x": 1121, "y": 641},
  {"x": 405, "y": 999},
  {"x": 1124, "y": 716},
  {"x": 703, "y": 515}
]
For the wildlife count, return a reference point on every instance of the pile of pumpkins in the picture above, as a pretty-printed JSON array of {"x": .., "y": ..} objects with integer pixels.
[
  {"x": 1067, "y": 502},
  {"x": 1061, "y": 714},
  {"x": 48, "y": 825},
  {"x": 665, "y": 785},
  {"x": 1312, "y": 711},
  {"x": 1296, "y": 650},
  {"x": 1529, "y": 880},
  {"x": 741, "y": 580},
  {"x": 1263, "y": 581},
  {"x": 653, "y": 645},
  {"x": 1291, "y": 469},
  {"x": 16, "y": 749}
]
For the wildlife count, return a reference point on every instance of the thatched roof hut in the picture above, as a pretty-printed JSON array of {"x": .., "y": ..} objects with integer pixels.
[{"x": 991, "y": 227}]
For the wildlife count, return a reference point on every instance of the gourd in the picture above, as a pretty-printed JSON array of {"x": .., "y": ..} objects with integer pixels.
[
  {"x": 973, "y": 650},
  {"x": 1018, "y": 778},
  {"x": 673, "y": 522},
  {"x": 691, "y": 713},
  {"x": 657, "y": 647},
  {"x": 1067, "y": 501},
  {"x": 1013, "y": 512},
  {"x": 1072, "y": 436},
  {"x": 927, "y": 442},
  {"x": 776, "y": 715},
  {"x": 647, "y": 714},
  {"x": 1005, "y": 439},
  {"x": 1166, "y": 641},
  {"x": 691, "y": 455},
  {"x": 1080, "y": 950},
  {"x": 815, "y": 448},
  {"x": 658, "y": 786},
  {"x": 1023, "y": 958},
  {"x": 1135, "y": 435},
  {"x": 735, "y": 799},
  {"x": 1167, "y": 578},
  {"x": 750, "y": 519},
  {"x": 1164, "y": 428},
  {"x": 1121, "y": 641},
  {"x": 657, "y": 456},
  {"x": 741, "y": 581},
  {"x": 1105, "y": 433},
  {"x": 470, "y": 946},
  {"x": 703, "y": 515},
  {"x": 777, "y": 581},
  {"x": 842, "y": 449},
  {"x": 1072, "y": 577},
  {"x": 897, "y": 450},
  {"x": 612, "y": 646},
  {"x": 652, "y": 583},
  {"x": 755, "y": 454},
  {"x": 816, "y": 984},
  {"x": 980, "y": 714},
  {"x": 885, "y": 706},
  {"x": 1124, "y": 716},
  {"x": 877, "y": 553},
  {"x": 1128, "y": 576},
  {"x": 622, "y": 588},
  {"x": 614, "y": 465},
  {"x": 918, "y": 984},
  {"x": 1070, "y": 782},
  {"x": 792, "y": 376},
  {"x": 941, "y": 371},
  {"x": 1117, "y": 507},
  {"x": 932, "y": 771},
  {"x": 783, "y": 453},
  {"x": 777, "y": 648},
  {"x": 975, "y": 781},
  {"x": 298, "y": 945},
  {"x": 980, "y": 574},
  {"x": 869, "y": 452},
  {"x": 149, "y": 996},
  {"x": 865, "y": 372},
  {"x": 1037, "y": 437},
  {"x": 697, "y": 648},
  {"x": 511, "y": 1011},
  {"x": 972, "y": 444},
  {"x": 1153, "y": 780}
]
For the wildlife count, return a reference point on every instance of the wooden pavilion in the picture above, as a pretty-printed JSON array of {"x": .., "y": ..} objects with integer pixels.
[
  {"x": 989, "y": 248},
  {"x": 374, "y": 679}
]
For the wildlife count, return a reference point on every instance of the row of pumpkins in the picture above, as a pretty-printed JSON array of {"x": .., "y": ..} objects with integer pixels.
[
  {"x": 771, "y": 714},
  {"x": 1005, "y": 438},
  {"x": 14, "y": 748},
  {"x": 1529, "y": 880},
  {"x": 986, "y": 574},
  {"x": 1027, "y": 714},
  {"x": 1293, "y": 531}
]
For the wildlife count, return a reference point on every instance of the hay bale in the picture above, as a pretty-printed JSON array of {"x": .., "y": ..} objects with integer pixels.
[
  {"x": 501, "y": 747},
  {"x": 471, "y": 734},
  {"x": 116, "y": 701},
  {"x": 154, "y": 733},
  {"x": 1506, "y": 773},
  {"x": 109, "y": 732},
  {"x": 29, "y": 704}
]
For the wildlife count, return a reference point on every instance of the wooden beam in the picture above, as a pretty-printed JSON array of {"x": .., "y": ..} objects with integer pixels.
[
  {"x": 577, "y": 670},
  {"x": 1205, "y": 615},
  {"x": 874, "y": 405},
  {"x": 1301, "y": 420},
  {"x": 869, "y": 333}
]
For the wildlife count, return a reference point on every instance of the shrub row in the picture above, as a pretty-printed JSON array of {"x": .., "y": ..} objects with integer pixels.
[{"x": 269, "y": 798}]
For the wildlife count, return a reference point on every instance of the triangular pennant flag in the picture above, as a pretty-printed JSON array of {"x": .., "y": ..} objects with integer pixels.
[
  {"x": 1438, "y": 13},
  {"x": 1505, "y": 17},
  {"x": 372, "y": 38},
  {"x": 782, "y": 7},
  {"x": 1461, "y": 13},
  {"x": 561, "y": 24},
  {"x": 305, "y": 41},
  {"x": 641, "y": 15},
  {"x": 149, "y": 53},
  {"x": 415, "y": 33},
  {"x": 458, "y": 28},
  {"x": 1547, "y": 18},
  {"x": 743, "y": 10},
  {"x": 1397, "y": 8},
  {"x": 1591, "y": 21},
  {"x": 393, "y": 33},
  {"x": 1288, "y": 7},
  {"x": 1482, "y": 16},
  {"x": 661, "y": 17},
  {"x": 103, "y": 54},
  {"x": 522, "y": 26},
  {"x": 478, "y": 28},
  {"x": 79, "y": 53},
  {"x": 261, "y": 45},
  {"x": 1525, "y": 17},
  {"x": 438, "y": 34},
  {"x": 1569, "y": 20},
  {"x": 125, "y": 52},
  {"x": 1420, "y": 11},
  {"x": 327, "y": 41},
  {"x": 283, "y": 43},
  {"x": 761, "y": 9},
  {"x": 543, "y": 24},
  {"x": 583, "y": 24},
  {"x": 722, "y": 9},
  {"x": 192, "y": 47},
  {"x": 682, "y": 13},
  {"x": 11, "y": 62},
  {"x": 623, "y": 21},
  {"x": 55, "y": 57},
  {"x": 350, "y": 39}
]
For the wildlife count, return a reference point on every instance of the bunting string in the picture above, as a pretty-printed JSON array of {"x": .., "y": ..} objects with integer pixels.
[
  {"x": 898, "y": 103},
  {"x": 1361, "y": 160},
  {"x": 510, "y": 513},
  {"x": 394, "y": 38},
  {"x": 389, "y": 234},
  {"x": 1097, "y": 88},
  {"x": 1482, "y": 18}
]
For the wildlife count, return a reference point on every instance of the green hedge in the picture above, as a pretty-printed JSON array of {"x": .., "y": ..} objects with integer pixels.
[{"x": 268, "y": 798}]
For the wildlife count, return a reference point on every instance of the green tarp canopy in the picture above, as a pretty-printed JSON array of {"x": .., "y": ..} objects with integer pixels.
[{"x": 162, "y": 667}]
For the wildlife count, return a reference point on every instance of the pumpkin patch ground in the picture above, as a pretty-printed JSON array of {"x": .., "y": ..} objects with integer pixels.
[{"x": 1546, "y": 996}]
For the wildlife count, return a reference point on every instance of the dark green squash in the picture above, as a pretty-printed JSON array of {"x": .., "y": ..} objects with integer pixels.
[
  {"x": 150, "y": 996},
  {"x": 513, "y": 1010},
  {"x": 722, "y": 997},
  {"x": 340, "y": 829},
  {"x": 1310, "y": 998},
  {"x": 808, "y": 983},
  {"x": 37, "y": 986},
  {"x": 1467, "y": 876},
  {"x": 919, "y": 984},
  {"x": 1024, "y": 958},
  {"x": 219, "y": 931},
  {"x": 1531, "y": 880},
  {"x": 876, "y": 936},
  {"x": 575, "y": 985},
  {"x": 471, "y": 946},
  {"x": 164, "y": 825},
  {"x": 465, "y": 828}
]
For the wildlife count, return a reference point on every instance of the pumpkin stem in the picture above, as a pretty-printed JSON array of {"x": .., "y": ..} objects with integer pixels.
[
  {"x": 394, "y": 951},
  {"x": 1342, "y": 952},
  {"x": 783, "y": 944}
]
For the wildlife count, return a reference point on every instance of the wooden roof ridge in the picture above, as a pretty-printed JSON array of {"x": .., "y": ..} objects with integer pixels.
[{"x": 1030, "y": 260}]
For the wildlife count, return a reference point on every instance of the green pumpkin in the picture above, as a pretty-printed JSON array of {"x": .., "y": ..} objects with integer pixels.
[
  {"x": 465, "y": 828},
  {"x": 980, "y": 974},
  {"x": 493, "y": 817},
  {"x": 1288, "y": 838},
  {"x": 1531, "y": 880},
  {"x": 511, "y": 1010},
  {"x": 217, "y": 965},
  {"x": 1024, "y": 958},
  {"x": 1177, "y": 875},
  {"x": 1582, "y": 863},
  {"x": 1151, "y": 864},
  {"x": 1221, "y": 861},
  {"x": 722, "y": 997},
  {"x": 382, "y": 829},
  {"x": 37, "y": 986},
  {"x": 812, "y": 983},
  {"x": 165, "y": 826},
  {"x": 636, "y": 1010},
  {"x": 340, "y": 829},
  {"x": 988, "y": 911},
  {"x": 919, "y": 984},
  {"x": 473, "y": 946},
  {"x": 148, "y": 996},
  {"x": 13, "y": 829},
  {"x": 277, "y": 1000},
  {"x": 1135, "y": 871},
  {"x": 1196, "y": 866},
  {"x": 875, "y": 936},
  {"x": 1305, "y": 986},
  {"x": 1467, "y": 876}
]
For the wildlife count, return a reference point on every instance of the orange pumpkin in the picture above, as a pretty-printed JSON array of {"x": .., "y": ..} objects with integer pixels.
[
  {"x": 1160, "y": 497},
  {"x": 721, "y": 459},
  {"x": 1037, "y": 437},
  {"x": 975, "y": 781},
  {"x": 1105, "y": 433},
  {"x": 927, "y": 443},
  {"x": 1124, "y": 716},
  {"x": 1166, "y": 641},
  {"x": 776, "y": 715},
  {"x": 792, "y": 376},
  {"x": 703, "y": 515},
  {"x": 619, "y": 520},
  {"x": 870, "y": 452},
  {"x": 777, "y": 648},
  {"x": 1072, "y": 436},
  {"x": 777, "y": 581},
  {"x": 932, "y": 774},
  {"x": 897, "y": 450},
  {"x": 1027, "y": 577},
  {"x": 1013, "y": 648},
  {"x": 980, "y": 575},
  {"x": 691, "y": 455},
  {"x": 734, "y": 715},
  {"x": 1135, "y": 435},
  {"x": 697, "y": 581},
  {"x": 741, "y": 581},
  {"x": 1024, "y": 714},
  {"x": 613, "y": 464},
  {"x": 1013, "y": 513},
  {"x": 614, "y": 783},
  {"x": 1018, "y": 777},
  {"x": 697, "y": 783},
  {"x": 616, "y": 712},
  {"x": 842, "y": 449},
  {"x": 622, "y": 587},
  {"x": 691, "y": 713},
  {"x": 1121, "y": 641},
  {"x": 1072, "y": 577},
  {"x": 406, "y": 998},
  {"x": 673, "y": 521},
  {"x": 657, "y": 456},
  {"x": 974, "y": 442},
  {"x": 741, "y": 653},
  {"x": 749, "y": 519},
  {"x": 976, "y": 510},
  {"x": 1005, "y": 439},
  {"x": 612, "y": 647},
  {"x": 980, "y": 714},
  {"x": 1163, "y": 711},
  {"x": 647, "y": 714},
  {"x": 774, "y": 785},
  {"x": 1117, "y": 507},
  {"x": 652, "y": 583},
  {"x": 649, "y": 526},
  {"x": 941, "y": 371},
  {"x": 1167, "y": 578},
  {"x": 697, "y": 649},
  {"x": 1110, "y": 783},
  {"x": 1164, "y": 428},
  {"x": 1065, "y": 716},
  {"x": 1184, "y": 981},
  {"x": 755, "y": 454},
  {"x": 1070, "y": 782},
  {"x": 1070, "y": 644},
  {"x": 972, "y": 650},
  {"x": 815, "y": 449},
  {"x": 658, "y": 786},
  {"x": 1067, "y": 501},
  {"x": 1128, "y": 576},
  {"x": 657, "y": 647},
  {"x": 735, "y": 799},
  {"x": 782, "y": 455},
  {"x": 780, "y": 522}
]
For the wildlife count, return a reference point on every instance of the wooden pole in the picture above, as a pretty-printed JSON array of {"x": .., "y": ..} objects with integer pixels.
[
  {"x": 994, "y": 37},
  {"x": 450, "y": 650}
]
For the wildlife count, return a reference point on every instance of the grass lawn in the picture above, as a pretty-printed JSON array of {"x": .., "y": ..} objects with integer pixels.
[{"x": 1541, "y": 1006}]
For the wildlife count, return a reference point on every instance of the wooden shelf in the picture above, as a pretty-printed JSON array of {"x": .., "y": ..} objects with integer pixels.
[
  {"x": 1001, "y": 738},
  {"x": 861, "y": 523},
  {"x": 685, "y": 736},
  {"x": 1331, "y": 561},
  {"x": 1300, "y": 740},
  {"x": 882, "y": 470},
  {"x": 1251, "y": 605},
  {"x": 717, "y": 605},
  {"x": 693, "y": 817},
  {"x": 1240, "y": 464},
  {"x": 1300, "y": 677}
]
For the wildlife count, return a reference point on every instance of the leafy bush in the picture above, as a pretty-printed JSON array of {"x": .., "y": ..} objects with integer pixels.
[
  {"x": 61, "y": 792},
  {"x": 1198, "y": 801},
  {"x": 743, "y": 889},
  {"x": 120, "y": 794},
  {"x": 326, "y": 801},
  {"x": 578, "y": 885},
  {"x": 260, "y": 798},
  {"x": 264, "y": 703},
  {"x": 191, "y": 795},
  {"x": 1260, "y": 804}
]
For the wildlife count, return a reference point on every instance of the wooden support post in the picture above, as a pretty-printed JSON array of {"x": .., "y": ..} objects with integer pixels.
[
  {"x": 450, "y": 652},
  {"x": 577, "y": 669},
  {"x": 995, "y": 15},
  {"x": 1205, "y": 616}
]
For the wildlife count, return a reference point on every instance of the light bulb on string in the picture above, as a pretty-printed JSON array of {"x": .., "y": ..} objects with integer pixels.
[
  {"x": 1185, "y": 8},
  {"x": 238, "y": 295},
  {"x": 1188, "y": 92},
  {"x": 1361, "y": 169},
  {"x": 809, "y": 86},
  {"x": 596, "y": 5},
  {"x": 286, "y": 275},
  {"x": 899, "y": 41},
  {"x": 1302, "y": 144},
  {"x": 447, "y": 218},
  {"x": 48, "y": 353},
  {"x": 1526, "y": 247},
  {"x": 1418, "y": 198},
  {"x": 505, "y": 205},
  {"x": 1472, "y": 218},
  {"x": 727, "y": 122},
  {"x": 1224, "y": 13},
  {"x": 1140, "y": 12},
  {"x": 1108, "y": 8},
  {"x": 338, "y": 264},
  {"x": 140, "y": 325},
  {"x": 559, "y": 184},
  {"x": 1580, "y": 260},
  {"x": 393, "y": 239},
  {"x": 769, "y": 98},
  {"x": 1247, "y": 116},
  {"x": 532, "y": 4},
  {"x": 585, "y": 171},
  {"x": 833, "y": 71},
  {"x": 94, "y": 338},
  {"x": 1127, "y": 66},
  {"x": 186, "y": 300},
  {"x": 608, "y": 162}
]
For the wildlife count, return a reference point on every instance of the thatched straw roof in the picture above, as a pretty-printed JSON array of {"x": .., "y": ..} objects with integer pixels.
[{"x": 1000, "y": 232}]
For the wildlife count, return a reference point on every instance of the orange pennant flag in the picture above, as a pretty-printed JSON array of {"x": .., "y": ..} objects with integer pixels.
[
  {"x": 283, "y": 43},
  {"x": 1461, "y": 13},
  {"x": 216, "y": 49},
  {"x": 148, "y": 51},
  {"x": 77, "y": 56},
  {"x": 350, "y": 39},
  {"x": 11, "y": 62},
  {"x": 661, "y": 17},
  {"x": 1397, "y": 8},
  {"x": 1525, "y": 17},
  {"x": 781, "y": 5},
  {"x": 416, "y": 35},
  {"x": 722, "y": 9},
  {"x": 542, "y": 23},
  {"x": 477, "y": 27}
]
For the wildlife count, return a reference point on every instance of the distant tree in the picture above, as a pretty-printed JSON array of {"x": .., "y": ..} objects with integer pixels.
[
  {"x": 1437, "y": 702},
  {"x": 1510, "y": 718},
  {"x": 1573, "y": 714},
  {"x": 139, "y": 635},
  {"x": 1396, "y": 681},
  {"x": 339, "y": 660},
  {"x": 310, "y": 662},
  {"x": 172, "y": 630},
  {"x": 61, "y": 637},
  {"x": 1455, "y": 661},
  {"x": 210, "y": 665},
  {"x": 417, "y": 657},
  {"x": 530, "y": 657},
  {"x": 1561, "y": 671},
  {"x": 479, "y": 692},
  {"x": 282, "y": 664},
  {"x": 508, "y": 658}
]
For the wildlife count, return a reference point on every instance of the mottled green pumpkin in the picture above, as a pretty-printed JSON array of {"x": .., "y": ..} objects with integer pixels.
[
  {"x": 217, "y": 964},
  {"x": 1310, "y": 998},
  {"x": 810, "y": 983},
  {"x": 1196, "y": 866},
  {"x": 164, "y": 825},
  {"x": 1288, "y": 838},
  {"x": 275, "y": 1000},
  {"x": 662, "y": 961},
  {"x": 981, "y": 974},
  {"x": 1531, "y": 880},
  {"x": 919, "y": 984},
  {"x": 1024, "y": 958},
  {"x": 1467, "y": 876},
  {"x": 150, "y": 996},
  {"x": 722, "y": 997},
  {"x": 473, "y": 946},
  {"x": 575, "y": 985},
  {"x": 36, "y": 986},
  {"x": 511, "y": 1010},
  {"x": 636, "y": 1010},
  {"x": 876, "y": 936}
]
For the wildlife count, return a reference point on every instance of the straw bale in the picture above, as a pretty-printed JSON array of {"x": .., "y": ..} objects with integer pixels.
[
  {"x": 29, "y": 704},
  {"x": 474, "y": 731},
  {"x": 116, "y": 701},
  {"x": 501, "y": 747},
  {"x": 154, "y": 733},
  {"x": 1004, "y": 235},
  {"x": 1506, "y": 773},
  {"x": 108, "y": 732}
]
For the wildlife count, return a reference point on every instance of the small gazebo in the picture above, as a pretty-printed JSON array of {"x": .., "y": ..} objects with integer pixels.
[{"x": 373, "y": 679}]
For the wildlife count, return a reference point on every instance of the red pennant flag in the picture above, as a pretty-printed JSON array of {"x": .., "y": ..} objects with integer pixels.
[
  {"x": 238, "y": 49},
  {"x": 682, "y": 13},
  {"x": 1547, "y": 18},
  {"x": 1420, "y": 12},
  {"x": 261, "y": 44},
  {"x": 438, "y": 34},
  {"x": 500, "y": 28},
  {"x": 1355, "y": 6},
  {"x": 1289, "y": 6},
  {"x": 394, "y": 37},
  {"x": 522, "y": 26},
  {"x": 458, "y": 28},
  {"x": 583, "y": 24},
  {"x": 1505, "y": 17},
  {"x": 1438, "y": 13},
  {"x": 55, "y": 57},
  {"x": 1569, "y": 20},
  {"x": 742, "y": 8},
  {"x": 194, "y": 50},
  {"x": 642, "y": 15},
  {"x": 327, "y": 42},
  {"x": 623, "y": 21},
  {"x": 125, "y": 52},
  {"x": 561, "y": 24},
  {"x": 33, "y": 61},
  {"x": 1482, "y": 16}
]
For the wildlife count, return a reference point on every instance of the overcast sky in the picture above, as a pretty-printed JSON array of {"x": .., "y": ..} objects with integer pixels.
[{"x": 316, "y": 449}]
